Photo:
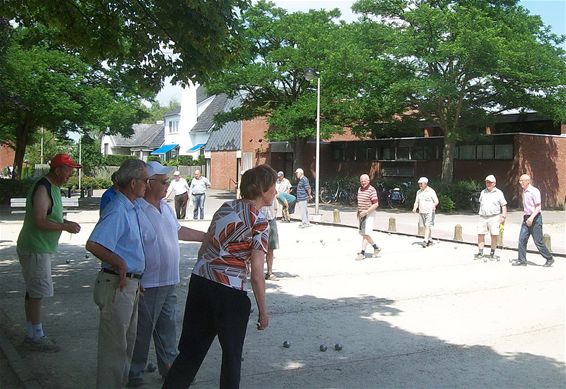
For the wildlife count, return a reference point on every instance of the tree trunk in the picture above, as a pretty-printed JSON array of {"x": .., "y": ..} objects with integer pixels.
[
  {"x": 22, "y": 136},
  {"x": 448, "y": 160}
]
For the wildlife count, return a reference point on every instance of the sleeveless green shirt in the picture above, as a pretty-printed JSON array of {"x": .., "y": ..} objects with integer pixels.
[{"x": 33, "y": 239}]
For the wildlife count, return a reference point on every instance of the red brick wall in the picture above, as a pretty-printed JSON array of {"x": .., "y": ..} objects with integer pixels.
[
  {"x": 544, "y": 159},
  {"x": 223, "y": 170},
  {"x": 6, "y": 156},
  {"x": 254, "y": 140}
]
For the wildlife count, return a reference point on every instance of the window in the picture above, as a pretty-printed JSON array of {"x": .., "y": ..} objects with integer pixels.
[
  {"x": 387, "y": 153},
  {"x": 106, "y": 149},
  {"x": 419, "y": 154},
  {"x": 467, "y": 152},
  {"x": 484, "y": 152},
  {"x": 173, "y": 126},
  {"x": 402, "y": 153},
  {"x": 504, "y": 151},
  {"x": 371, "y": 154}
]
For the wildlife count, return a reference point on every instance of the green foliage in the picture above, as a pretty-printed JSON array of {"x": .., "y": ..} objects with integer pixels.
[
  {"x": 156, "y": 112},
  {"x": 154, "y": 158},
  {"x": 116, "y": 159},
  {"x": 91, "y": 157},
  {"x": 150, "y": 40},
  {"x": 14, "y": 188},
  {"x": 446, "y": 204},
  {"x": 46, "y": 87},
  {"x": 186, "y": 160},
  {"x": 270, "y": 71},
  {"x": 51, "y": 146},
  {"x": 86, "y": 181},
  {"x": 456, "y": 64}
]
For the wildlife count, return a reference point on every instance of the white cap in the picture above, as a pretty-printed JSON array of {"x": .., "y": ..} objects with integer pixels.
[
  {"x": 490, "y": 178},
  {"x": 177, "y": 173},
  {"x": 423, "y": 179},
  {"x": 280, "y": 173},
  {"x": 154, "y": 167}
]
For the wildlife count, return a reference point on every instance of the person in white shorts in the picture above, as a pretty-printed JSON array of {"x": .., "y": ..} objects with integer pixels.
[
  {"x": 426, "y": 202},
  {"x": 493, "y": 212},
  {"x": 367, "y": 204}
]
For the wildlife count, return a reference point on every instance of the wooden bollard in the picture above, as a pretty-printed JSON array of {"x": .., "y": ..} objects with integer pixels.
[
  {"x": 336, "y": 216},
  {"x": 392, "y": 225},
  {"x": 547, "y": 242},
  {"x": 458, "y": 233},
  {"x": 421, "y": 230}
]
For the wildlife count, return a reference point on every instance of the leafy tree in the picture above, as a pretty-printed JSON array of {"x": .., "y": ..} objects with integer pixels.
[
  {"x": 149, "y": 39},
  {"x": 91, "y": 157},
  {"x": 269, "y": 72},
  {"x": 56, "y": 90},
  {"x": 157, "y": 112},
  {"x": 51, "y": 146},
  {"x": 456, "y": 64}
]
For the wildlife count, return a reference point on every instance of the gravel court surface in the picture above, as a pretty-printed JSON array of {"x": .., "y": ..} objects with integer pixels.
[{"x": 411, "y": 317}]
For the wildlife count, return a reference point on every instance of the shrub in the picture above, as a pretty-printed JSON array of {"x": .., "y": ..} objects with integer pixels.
[
  {"x": 185, "y": 160},
  {"x": 14, "y": 188},
  {"x": 445, "y": 203},
  {"x": 117, "y": 159},
  {"x": 154, "y": 158},
  {"x": 93, "y": 182}
]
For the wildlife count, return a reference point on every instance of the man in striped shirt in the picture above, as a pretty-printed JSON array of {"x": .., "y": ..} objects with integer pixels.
[{"x": 367, "y": 204}]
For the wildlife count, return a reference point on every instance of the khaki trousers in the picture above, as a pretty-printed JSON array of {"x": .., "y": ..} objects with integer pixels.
[{"x": 117, "y": 330}]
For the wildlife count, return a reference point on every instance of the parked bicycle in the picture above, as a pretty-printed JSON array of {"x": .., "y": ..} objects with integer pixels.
[{"x": 340, "y": 195}]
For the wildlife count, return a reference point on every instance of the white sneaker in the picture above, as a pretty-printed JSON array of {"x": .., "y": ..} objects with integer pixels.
[
  {"x": 360, "y": 257},
  {"x": 376, "y": 252}
]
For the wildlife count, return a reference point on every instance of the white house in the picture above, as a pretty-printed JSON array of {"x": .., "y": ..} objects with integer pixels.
[{"x": 184, "y": 131}]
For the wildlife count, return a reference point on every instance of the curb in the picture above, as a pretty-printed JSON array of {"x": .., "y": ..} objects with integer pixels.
[{"x": 15, "y": 361}]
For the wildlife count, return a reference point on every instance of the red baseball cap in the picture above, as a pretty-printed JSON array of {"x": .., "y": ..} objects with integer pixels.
[{"x": 63, "y": 160}]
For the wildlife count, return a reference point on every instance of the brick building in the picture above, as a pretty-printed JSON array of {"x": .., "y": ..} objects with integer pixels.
[{"x": 514, "y": 145}]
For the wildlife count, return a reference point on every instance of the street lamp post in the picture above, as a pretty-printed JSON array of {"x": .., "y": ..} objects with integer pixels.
[{"x": 311, "y": 74}]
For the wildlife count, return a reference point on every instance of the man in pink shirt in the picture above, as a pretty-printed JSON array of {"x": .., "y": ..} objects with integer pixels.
[{"x": 532, "y": 224}]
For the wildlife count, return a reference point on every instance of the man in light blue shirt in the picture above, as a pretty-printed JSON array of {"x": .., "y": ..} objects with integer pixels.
[{"x": 117, "y": 242}]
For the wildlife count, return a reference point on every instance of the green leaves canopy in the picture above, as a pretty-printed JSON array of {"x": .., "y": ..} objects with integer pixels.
[
  {"x": 457, "y": 64},
  {"x": 150, "y": 39}
]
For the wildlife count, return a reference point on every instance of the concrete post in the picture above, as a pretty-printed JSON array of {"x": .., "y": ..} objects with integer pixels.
[
  {"x": 458, "y": 233},
  {"x": 547, "y": 242},
  {"x": 336, "y": 215},
  {"x": 392, "y": 225}
]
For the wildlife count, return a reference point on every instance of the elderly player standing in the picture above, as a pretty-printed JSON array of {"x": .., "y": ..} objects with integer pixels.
[
  {"x": 493, "y": 212},
  {"x": 367, "y": 204}
]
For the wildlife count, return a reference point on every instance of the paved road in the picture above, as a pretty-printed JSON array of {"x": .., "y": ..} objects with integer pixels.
[{"x": 412, "y": 317}]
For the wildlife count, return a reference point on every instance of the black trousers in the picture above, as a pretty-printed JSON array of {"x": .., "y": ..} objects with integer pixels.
[
  {"x": 211, "y": 309},
  {"x": 181, "y": 205}
]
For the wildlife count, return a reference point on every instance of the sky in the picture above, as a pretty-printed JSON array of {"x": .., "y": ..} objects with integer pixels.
[{"x": 553, "y": 13}]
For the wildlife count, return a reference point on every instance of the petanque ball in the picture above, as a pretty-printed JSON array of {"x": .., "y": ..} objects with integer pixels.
[
  {"x": 286, "y": 344},
  {"x": 323, "y": 348},
  {"x": 338, "y": 347},
  {"x": 86, "y": 256}
]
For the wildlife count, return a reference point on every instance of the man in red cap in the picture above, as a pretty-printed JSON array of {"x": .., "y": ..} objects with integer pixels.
[{"x": 37, "y": 244}]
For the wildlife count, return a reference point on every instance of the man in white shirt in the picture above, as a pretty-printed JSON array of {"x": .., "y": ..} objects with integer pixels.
[
  {"x": 181, "y": 188},
  {"x": 493, "y": 211},
  {"x": 426, "y": 202},
  {"x": 199, "y": 184},
  {"x": 284, "y": 197},
  {"x": 160, "y": 232}
]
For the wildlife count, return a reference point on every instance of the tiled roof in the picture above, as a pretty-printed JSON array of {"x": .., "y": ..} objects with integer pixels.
[
  {"x": 228, "y": 137},
  {"x": 205, "y": 121},
  {"x": 176, "y": 111},
  {"x": 146, "y": 135}
]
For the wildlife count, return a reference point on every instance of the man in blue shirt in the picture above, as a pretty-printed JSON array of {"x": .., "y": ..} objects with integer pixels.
[
  {"x": 116, "y": 240},
  {"x": 303, "y": 196}
]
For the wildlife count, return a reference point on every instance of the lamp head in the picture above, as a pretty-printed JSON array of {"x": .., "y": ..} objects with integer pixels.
[{"x": 311, "y": 74}]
